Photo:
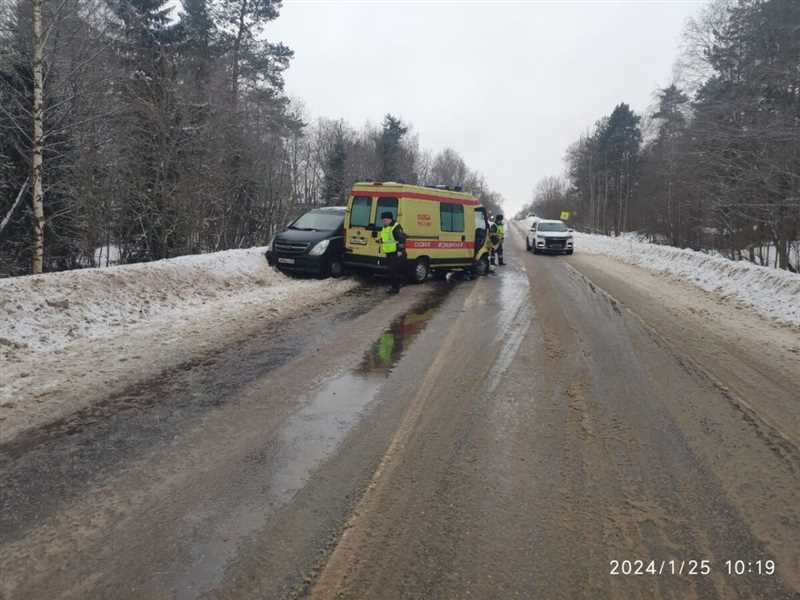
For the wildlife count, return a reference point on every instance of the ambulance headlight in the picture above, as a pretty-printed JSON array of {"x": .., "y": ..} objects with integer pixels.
[{"x": 319, "y": 248}]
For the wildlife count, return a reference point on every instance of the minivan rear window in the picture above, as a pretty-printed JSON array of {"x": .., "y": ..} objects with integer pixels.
[{"x": 360, "y": 211}]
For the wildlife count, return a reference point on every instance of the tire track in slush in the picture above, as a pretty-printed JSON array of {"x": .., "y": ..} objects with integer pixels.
[{"x": 513, "y": 322}]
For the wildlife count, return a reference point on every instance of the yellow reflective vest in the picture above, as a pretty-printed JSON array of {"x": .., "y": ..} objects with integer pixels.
[{"x": 388, "y": 243}]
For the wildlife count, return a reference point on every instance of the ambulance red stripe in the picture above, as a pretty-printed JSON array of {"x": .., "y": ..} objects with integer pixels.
[{"x": 441, "y": 245}]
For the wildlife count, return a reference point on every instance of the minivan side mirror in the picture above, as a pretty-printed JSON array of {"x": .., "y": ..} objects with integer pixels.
[{"x": 571, "y": 230}]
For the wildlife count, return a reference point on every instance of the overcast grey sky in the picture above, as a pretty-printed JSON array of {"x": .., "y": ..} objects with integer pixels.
[{"x": 509, "y": 85}]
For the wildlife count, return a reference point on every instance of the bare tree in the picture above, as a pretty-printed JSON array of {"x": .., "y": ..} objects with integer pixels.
[{"x": 37, "y": 154}]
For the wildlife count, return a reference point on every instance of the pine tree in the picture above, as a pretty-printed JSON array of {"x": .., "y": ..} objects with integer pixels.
[
  {"x": 391, "y": 147},
  {"x": 151, "y": 122},
  {"x": 334, "y": 185},
  {"x": 199, "y": 34},
  {"x": 619, "y": 142}
]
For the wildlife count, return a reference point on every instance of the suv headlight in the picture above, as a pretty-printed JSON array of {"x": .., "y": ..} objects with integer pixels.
[{"x": 319, "y": 248}]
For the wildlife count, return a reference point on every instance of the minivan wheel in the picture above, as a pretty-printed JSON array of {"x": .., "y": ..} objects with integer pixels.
[
  {"x": 420, "y": 270},
  {"x": 336, "y": 269}
]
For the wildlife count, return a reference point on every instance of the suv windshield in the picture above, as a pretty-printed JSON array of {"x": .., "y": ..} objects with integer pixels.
[
  {"x": 552, "y": 227},
  {"x": 318, "y": 220}
]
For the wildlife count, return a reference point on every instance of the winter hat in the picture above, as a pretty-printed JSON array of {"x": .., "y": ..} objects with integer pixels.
[{"x": 387, "y": 215}]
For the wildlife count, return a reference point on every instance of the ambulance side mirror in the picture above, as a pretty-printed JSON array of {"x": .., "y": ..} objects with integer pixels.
[{"x": 374, "y": 233}]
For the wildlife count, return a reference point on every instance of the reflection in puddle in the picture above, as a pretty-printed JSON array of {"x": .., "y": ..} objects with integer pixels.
[
  {"x": 393, "y": 343},
  {"x": 307, "y": 438}
]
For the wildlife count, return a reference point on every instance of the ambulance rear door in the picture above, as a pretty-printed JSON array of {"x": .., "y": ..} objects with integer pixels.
[
  {"x": 481, "y": 228},
  {"x": 362, "y": 238}
]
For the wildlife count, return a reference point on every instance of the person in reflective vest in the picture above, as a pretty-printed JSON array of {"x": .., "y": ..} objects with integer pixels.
[
  {"x": 392, "y": 240},
  {"x": 497, "y": 232}
]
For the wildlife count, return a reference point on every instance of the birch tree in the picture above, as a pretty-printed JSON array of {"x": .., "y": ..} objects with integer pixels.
[{"x": 37, "y": 154}]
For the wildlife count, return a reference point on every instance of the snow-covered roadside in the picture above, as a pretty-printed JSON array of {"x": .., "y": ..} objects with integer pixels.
[
  {"x": 65, "y": 337},
  {"x": 772, "y": 293},
  {"x": 48, "y": 312}
]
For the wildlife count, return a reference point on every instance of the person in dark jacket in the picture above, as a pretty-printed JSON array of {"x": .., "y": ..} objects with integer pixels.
[
  {"x": 392, "y": 240},
  {"x": 497, "y": 233}
]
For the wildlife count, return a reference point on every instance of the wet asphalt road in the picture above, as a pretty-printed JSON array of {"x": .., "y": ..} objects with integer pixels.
[{"x": 504, "y": 438}]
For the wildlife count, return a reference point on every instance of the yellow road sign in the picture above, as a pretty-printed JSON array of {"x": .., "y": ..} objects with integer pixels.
[{"x": 565, "y": 214}]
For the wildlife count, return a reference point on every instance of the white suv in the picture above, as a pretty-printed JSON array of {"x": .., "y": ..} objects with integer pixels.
[{"x": 549, "y": 236}]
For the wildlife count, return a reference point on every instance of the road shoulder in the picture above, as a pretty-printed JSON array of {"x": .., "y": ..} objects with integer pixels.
[{"x": 755, "y": 357}]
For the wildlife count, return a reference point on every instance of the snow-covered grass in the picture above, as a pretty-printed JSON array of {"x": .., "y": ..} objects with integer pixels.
[
  {"x": 47, "y": 312},
  {"x": 771, "y": 292}
]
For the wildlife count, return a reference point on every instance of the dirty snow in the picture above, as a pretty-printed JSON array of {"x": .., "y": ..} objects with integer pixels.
[
  {"x": 47, "y": 312},
  {"x": 773, "y": 293},
  {"x": 67, "y": 337}
]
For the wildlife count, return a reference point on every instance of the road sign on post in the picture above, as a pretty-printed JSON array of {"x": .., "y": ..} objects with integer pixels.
[{"x": 565, "y": 214}]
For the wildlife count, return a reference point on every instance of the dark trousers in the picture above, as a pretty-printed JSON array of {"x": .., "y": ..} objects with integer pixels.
[
  {"x": 499, "y": 253},
  {"x": 393, "y": 264}
]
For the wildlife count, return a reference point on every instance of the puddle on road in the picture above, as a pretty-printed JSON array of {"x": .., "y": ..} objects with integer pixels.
[
  {"x": 309, "y": 436},
  {"x": 392, "y": 344}
]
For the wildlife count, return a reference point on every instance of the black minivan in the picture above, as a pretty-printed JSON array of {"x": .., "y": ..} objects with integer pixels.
[{"x": 313, "y": 243}]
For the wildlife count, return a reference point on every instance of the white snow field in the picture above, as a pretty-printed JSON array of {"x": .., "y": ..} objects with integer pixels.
[
  {"x": 773, "y": 293},
  {"x": 47, "y": 312}
]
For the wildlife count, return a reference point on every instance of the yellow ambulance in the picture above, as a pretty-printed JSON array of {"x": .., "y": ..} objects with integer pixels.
[{"x": 446, "y": 228}]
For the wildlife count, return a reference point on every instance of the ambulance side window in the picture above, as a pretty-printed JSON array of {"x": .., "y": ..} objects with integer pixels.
[
  {"x": 452, "y": 217},
  {"x": 385, "y": 205},
  {"x": 359, "y": 211}
]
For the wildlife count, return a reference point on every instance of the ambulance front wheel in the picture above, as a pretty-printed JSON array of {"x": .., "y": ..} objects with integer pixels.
[
  {"x": 482, "y": 266},
  {"x": 420, "y": 270}
]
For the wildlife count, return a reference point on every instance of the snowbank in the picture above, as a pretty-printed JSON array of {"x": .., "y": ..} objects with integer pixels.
[
  {"x": 771, "y": 292},
  {"x": 47, "y": 312}
]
